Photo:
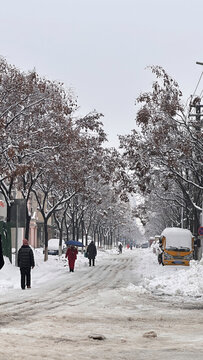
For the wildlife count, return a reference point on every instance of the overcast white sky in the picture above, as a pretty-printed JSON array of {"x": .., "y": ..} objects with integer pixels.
[{"x": 101, "y": 48}]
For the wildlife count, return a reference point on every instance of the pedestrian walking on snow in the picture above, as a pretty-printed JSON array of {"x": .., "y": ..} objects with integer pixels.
[
  {"x": 120, "y": 248},
  {"x": 91, "y": 253},
  {"x": 25, "y": 263},
  {"x": 71, "y": 254}
]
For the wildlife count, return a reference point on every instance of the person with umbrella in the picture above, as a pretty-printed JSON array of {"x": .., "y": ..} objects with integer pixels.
[
  {"x": 91, "y": 253},
  {"x": 71, "y": 254}
]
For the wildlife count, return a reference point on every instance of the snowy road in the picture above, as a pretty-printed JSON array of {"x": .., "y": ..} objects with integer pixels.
[{"x": 57, "y": 319}]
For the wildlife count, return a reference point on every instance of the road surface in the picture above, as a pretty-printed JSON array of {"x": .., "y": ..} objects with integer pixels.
[{"x": 60, "y": 319}]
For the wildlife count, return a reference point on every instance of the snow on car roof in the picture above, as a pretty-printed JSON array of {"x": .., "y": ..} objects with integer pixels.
[
  {"x": 53, "y": 244},
  {"x": 177, "y": 237}
]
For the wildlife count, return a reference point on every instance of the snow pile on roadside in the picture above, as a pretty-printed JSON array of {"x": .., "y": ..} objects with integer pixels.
[
  {"x": 147, "y": 276},
  {"x": 170, "y": 280},
  {"x": 8, "y": 275}
]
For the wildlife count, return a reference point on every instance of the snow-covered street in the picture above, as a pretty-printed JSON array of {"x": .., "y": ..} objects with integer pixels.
[{"x": 143, "y": 310}]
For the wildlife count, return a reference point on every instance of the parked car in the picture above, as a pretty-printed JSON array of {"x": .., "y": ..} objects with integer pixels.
[
  {"x": 53, "y": 246},
  {"x": 144, "y": 245},
  {"x": 177, "y": 247}
]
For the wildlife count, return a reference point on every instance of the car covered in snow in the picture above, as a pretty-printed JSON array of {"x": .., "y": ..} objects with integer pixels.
[
  {"x": 53, "y": 246},
  {"x": 177, "y": 246}
]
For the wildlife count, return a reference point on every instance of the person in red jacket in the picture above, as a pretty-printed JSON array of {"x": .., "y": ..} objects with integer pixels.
[{"x": 71, "y": 254}]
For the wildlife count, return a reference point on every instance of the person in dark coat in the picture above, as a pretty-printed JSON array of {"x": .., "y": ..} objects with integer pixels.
[
  {"x": 25, "y": 263},
  {"x": 71, "y": 254},
  {"x": 91, "y": 253},
  {"x": 1, "y": 255},
  {"x": 120, "y": 247}
]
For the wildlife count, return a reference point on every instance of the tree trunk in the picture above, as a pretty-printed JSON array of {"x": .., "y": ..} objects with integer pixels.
[
  {"x": 73, "y": 227},
  {"x": 86, "y": 237},
  {"x": 82, "y": 231},
  {"x": 45, "y": 240},
  {"x": 27, "y": 225},
  {"x": 60, "y": 237}
]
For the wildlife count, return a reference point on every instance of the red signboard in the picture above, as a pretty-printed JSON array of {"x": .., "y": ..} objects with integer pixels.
[{"x": 200, "y": 230}]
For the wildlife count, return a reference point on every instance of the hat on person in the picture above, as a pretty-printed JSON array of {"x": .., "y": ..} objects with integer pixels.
[{"x": 25, "y": 242}]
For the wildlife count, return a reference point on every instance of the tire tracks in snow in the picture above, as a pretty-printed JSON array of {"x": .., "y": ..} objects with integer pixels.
[{"x": 51, "y": 297}]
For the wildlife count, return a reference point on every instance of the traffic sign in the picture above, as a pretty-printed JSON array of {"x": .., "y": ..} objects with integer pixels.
[{"x": 200, "y": 230}]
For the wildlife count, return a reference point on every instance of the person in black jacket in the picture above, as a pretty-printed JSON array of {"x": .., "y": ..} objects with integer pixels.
[
  {"x": 25, "y": 263},
  {"x": 91, "y": 253}
]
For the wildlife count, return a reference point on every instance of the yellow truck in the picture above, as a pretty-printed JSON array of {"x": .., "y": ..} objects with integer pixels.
[{"x": 177, "y": 246}]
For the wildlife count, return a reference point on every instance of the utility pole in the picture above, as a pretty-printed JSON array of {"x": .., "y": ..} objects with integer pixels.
[
  {"x": 196, "y": 104},
  {"x": 198, "y": 118},
  {"x": 198, "y": 114}
]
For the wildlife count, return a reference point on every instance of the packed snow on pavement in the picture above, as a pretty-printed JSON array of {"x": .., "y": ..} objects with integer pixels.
[
  {"x": 173, "y": 281},
  {"x": 138, "y": 308}
]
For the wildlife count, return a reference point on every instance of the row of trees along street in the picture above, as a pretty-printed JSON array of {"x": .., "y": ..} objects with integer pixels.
[
  {"x": 47, "y": 151},
  {"x": 165, "y": 157}
]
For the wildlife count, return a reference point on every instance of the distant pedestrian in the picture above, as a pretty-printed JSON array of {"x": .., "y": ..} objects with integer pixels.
[
  {"x": 91, "y": 253},
  {"x": 71, "y": 254},
  {"x": 1, "y": 255},
  {"x": 25, "y": 263},
  {"x": 120, "y": 248}
]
